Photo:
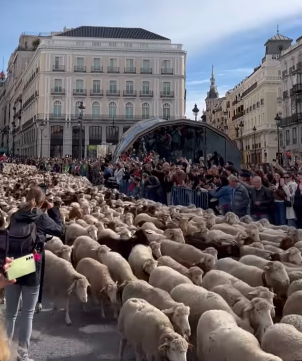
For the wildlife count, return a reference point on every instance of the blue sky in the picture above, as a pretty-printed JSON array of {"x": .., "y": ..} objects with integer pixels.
[{"x": 229, "y": 34}]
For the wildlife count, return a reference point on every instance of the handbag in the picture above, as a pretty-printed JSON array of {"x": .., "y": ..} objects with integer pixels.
[{"x": 288, "y": 203}]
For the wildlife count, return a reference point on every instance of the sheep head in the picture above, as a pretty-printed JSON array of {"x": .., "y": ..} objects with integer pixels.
[
  {"x": 173, "y": 346},
  {"x": 276, "y": 277},
  {"x": 111, "y": 290},
  {"x": 80, "y": 284},
  {"x": 246, "y": 219},
  {"x": 92, "y": 232},
  {"x": 149, "y": 265},
  {"x": 294, "y": 255},
  {"x": 155, "y": 247},
  {"x": 175, "y": 235},
  {"x": 212, "y": 251},
  {"x": 179, "y": 315},
  {"x": 253, "y": 232},
  {"x": 231, "y": 218},
  {"x": 195, "y": 274}
]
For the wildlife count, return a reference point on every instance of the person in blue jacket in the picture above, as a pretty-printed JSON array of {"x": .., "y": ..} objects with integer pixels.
[{"x": 223, "y": 194}]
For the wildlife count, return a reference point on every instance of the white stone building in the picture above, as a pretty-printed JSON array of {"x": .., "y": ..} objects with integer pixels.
[
  {"x": 291, "y": 134},
  {"x": 121, "y": 75}
]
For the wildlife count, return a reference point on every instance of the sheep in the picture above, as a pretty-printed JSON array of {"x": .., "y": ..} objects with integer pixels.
[
  {"x": 253, "y": 260},
  {"x": 294, "y": 287},
  {"x": 150, "y": 226},
  {"x": 219, "y": 338},
  {"x": 187, "y": 255},
  {"x": 273, "y": 275},
  {"x": 228, "y": 229},
  {"x": 294, "y": 320},
  {"x": 100, "y": 281},
  {"x": 294, "y": 275},
  {"x": 140, "y": 219},
  {"x": 141, "y": 261},
  {"x": 249, "y": 250},
  {"x": 168, "y": 261},
  {"x": 291, "y": 255},
  {"x": 73, "y": 231},
  {"x": 60, "y": 280},
  {"x": 270, "y": 237},
  {"x": 167, "y": 278},
  {"x": 178, "y": 313},
  {"x": 284, "y": 341},
  {"x": 229, "y": 218},
  {"x": 150, "y": 332},
  {"x": 293, "y": 304},
  {"x": 175, "y": 235},
  {"x": 200, "y": 300},
  {"x": 56, "y": 246}
]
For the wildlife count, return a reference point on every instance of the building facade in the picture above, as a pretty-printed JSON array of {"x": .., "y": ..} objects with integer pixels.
[
  {"x": 212, "y": 100},
  {"x": 122, "y": 75},
  {"x": 291, "y": 123}
]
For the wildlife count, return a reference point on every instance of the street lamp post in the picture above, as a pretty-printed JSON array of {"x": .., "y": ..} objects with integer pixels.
[
  {"x": 41, "y": 126},
  {"x": 81, "y": 108},
  {"x": 195, "y": 111},
  {"x": 255, "y": 155},
  {"x": 278, "y": 122},
  {"x": 13, "y": 131}
]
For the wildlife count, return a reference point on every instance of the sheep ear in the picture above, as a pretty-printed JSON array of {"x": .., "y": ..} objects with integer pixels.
[
  {"x": 252, "y": 293},
  {"x": 167, "y": 312},
  {"x": 163, "y": 346},
  {"x": 102, "y": 289},
  {"x": 73, "y": 285},
  {"x": 248, "y": 308}
]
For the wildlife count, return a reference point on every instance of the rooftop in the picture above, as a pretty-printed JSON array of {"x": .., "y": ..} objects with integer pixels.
[
  {"x": 279, "y": 37},
  {"x": 112, "y": 33}
]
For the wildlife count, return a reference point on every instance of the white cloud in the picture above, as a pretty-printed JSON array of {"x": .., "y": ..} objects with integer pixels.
[{"x": 196, "y": 82}]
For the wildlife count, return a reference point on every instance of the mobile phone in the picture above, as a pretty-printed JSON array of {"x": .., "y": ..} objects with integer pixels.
[
  {"x": 21, "y": 266},
  {"x": 3, "y": 248}
]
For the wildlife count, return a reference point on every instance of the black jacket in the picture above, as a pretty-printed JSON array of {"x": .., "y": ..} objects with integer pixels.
[
  {"x": 298, "y": 204},
  {"x": 50, "y": 223},
  {"x": 265, "y": 197}
]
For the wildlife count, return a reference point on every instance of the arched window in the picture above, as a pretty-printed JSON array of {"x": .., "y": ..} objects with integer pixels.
[
  {"x": 96, "y": 109},
  {"x": 56, "y": 141},
  {"x": 145, "y": 111},
  {"x": 166, "y": 110},
  {"x": 129, "y": 110},
  {"x": 112, "y": 109},
  {"x": 57, "y": 109},
  {"x": 76, "y": 108}
]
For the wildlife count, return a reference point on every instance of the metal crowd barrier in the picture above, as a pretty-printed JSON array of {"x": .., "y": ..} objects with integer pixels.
[{"x": 179, "y": 195}]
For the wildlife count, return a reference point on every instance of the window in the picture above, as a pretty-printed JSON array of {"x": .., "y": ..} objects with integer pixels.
[
  {"x": 166, "y": 64},
  {"x": 58, "y": 85},
  {"x": 166, "y": 88},
  {"x": 146, "y": 64},
  {"x": 79, "y": 86},
  {"x": 80, "y": 62},
  {"x": 96, "y": 109},
  {"x": 57, "y": 62},
  {"x": 76, "y": 108},
  {"x": 146, "y": 87},
  {"x": 294, "y": 135},
  {"x": 57, "y": 109},
  {"x": 166, "y": 110},
  {"x": 287, "y": 137},
  {"x": 112, "y": 109},
  {"x": 97, "y": 63},
  {"x": 145, "y": 111},
  {"x": 129, "y": 110},
  {"x": 129, "y": 63},
  {"x": 113, "y": 63},
  {"x": 96, "y": 85},
  {"x": 113, "y": 86},
  {"x": 129, "y": 87}
]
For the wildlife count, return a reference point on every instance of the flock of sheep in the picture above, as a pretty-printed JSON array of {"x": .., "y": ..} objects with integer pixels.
[{"x": 175, "y": 277}]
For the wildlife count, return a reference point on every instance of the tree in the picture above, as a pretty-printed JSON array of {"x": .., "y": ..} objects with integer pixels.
[{"x": 35, "y": 43}]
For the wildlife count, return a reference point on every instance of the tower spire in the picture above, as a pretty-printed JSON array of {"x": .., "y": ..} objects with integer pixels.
[
  {"x": 213, "y": 93},
  {"x": 277, "y": 29}
]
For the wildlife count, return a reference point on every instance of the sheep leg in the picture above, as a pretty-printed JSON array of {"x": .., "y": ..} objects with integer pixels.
[
  {"x": 139, "y": 353},
  {"x": 54, "y": 308},
  {"x": 122, "y": 347},
  {"x": 115, "y": 311},
  {"x": 102, "y": 308},
  {"x": 67, "y": 316}
]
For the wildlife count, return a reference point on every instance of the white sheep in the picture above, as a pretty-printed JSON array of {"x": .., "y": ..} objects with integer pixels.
[
  {"x": 167, "y": 278},
  {"x": 101, "y": 283},
  {"x": 141, "y": 261},
  {"x": 220, "y": 339},
  {"x": 74, "y": 230},
  {"x": 293, "y": 304},
  {"x": 150, "y": 226},
  {"x": 200, "y": 300},
  {"x": 250, "y": 250},
  {"x": 60, "y": 280},
  {"x": 229, "y": 218},
  {"x": 294, "y": 320},
  {"x": 187, "y": 254},
  {"x": 142, "y": 218},
  {"x": 168, "y": 261},
  {"x": 175, "y": 235},
  {"x": 178, "y": 313},
  {"x": 150, "y": 332},
  {"x": 284, "y": 341},
  {"x": 291, "y": 255},
  {"x": 56, "y": 246},
  {"x": 295, "y": 286}
]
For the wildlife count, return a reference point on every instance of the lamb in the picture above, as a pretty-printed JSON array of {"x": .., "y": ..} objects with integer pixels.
[
  {"x": 56, "y": 246},
  {"x": 187, "y": 255},
  {"x": 284, "y": 341},
  {"x": 150, "y": 332},
  {"x": 200, "y": 300},
  {"x": 178, "y": 313},
  {"x": 291, "y": 255},
  {"x": 168, "y": 261},
  {"x": 219, "y": 338},
  {"x": 73, "y": 231},
  {"x": 101, "y": 283},
  {"x": 293, "y": 304},
  {"x": 249, "y": 250},
  {"x": 273, "y": 275},
  {"x": 141, "y": 261},
  {"x": 167, "y": 278},
  {"x": 60, "y": 280}
]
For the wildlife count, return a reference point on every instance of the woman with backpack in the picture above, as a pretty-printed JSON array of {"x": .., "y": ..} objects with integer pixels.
[{"x": 27, "y": 234}]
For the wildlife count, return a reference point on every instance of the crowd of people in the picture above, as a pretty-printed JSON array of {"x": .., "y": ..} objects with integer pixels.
[{"x": 266, "y": 191}]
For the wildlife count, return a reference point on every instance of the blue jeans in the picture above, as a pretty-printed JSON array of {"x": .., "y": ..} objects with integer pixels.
[
  {"x": 29, "y": 301},
  {"x": 280, "y": 213},
  {"x": 257, "y": 217}
]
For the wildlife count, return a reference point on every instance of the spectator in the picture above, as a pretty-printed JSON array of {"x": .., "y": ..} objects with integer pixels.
[
  {"x": 298, "y": 201},
  {"x": 118, "y": 173},
  {"x": 239, "y": 197},
  {"x": 261, "y": 200},
  {"x": 223, "y": 194},
  {"x": 280, "y": 192},
  {"x": 292, "y": 188}
]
